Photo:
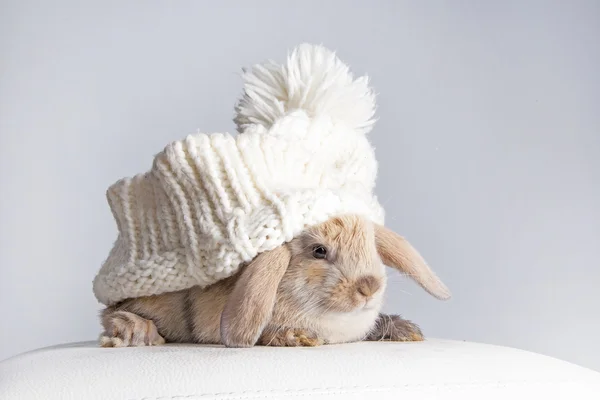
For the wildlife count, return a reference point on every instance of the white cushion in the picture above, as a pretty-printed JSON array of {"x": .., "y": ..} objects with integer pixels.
[{"x": 434, "y": 369}]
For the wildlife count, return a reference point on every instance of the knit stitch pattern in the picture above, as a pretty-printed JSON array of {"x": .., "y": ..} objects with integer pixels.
[{"x": 211, "y": 203}]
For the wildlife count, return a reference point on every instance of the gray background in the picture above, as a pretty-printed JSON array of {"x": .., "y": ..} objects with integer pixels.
[{"x": 488, "y": 141}]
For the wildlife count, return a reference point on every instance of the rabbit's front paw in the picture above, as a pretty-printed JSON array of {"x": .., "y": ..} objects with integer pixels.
[
  {"x": 290, "y": 337},
  {"x": 395, "y": 328},
  {"x": 125, "y": 329}
]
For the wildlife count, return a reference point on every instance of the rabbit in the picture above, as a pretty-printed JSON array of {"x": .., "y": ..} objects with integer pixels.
[{"x": 323, "y": 287}]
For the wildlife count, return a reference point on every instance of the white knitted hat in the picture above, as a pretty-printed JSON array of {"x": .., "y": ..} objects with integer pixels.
[{"x": 213, "y": 202}]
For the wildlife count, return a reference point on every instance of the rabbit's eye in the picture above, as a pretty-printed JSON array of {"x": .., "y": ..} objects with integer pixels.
[{"x": 319, "y": 252}]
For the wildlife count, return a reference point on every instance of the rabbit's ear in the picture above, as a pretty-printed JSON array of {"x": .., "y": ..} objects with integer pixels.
[
  {"x": 396, "y": 252},
  {"x": 250, "y": 305}
]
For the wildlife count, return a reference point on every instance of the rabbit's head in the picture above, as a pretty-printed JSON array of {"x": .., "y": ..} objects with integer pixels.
[
  {"x": 335, "y": 267},
  {"x": 329, "y": 273}
]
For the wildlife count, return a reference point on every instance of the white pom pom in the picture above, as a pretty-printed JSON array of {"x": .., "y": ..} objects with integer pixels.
[{"x": 314, "y": 80}]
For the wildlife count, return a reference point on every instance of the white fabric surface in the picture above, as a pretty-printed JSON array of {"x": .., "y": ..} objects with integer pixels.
[{"x": 434, "y": 369}]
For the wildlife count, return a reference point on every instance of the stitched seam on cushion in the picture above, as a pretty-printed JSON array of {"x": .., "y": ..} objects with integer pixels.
[
  {"x": 345, "y": 389},
  {"x": 277, "y": 395}
]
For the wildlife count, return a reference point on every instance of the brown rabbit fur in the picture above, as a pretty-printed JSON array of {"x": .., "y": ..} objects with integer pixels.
[{"x": 325, "y": 286}]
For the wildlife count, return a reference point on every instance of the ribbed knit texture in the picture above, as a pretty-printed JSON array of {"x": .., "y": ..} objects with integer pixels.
[{"x": 211, "y": 203}]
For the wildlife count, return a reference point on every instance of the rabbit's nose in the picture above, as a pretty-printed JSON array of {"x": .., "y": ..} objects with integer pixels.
[{"x": 367, "y": 285}]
